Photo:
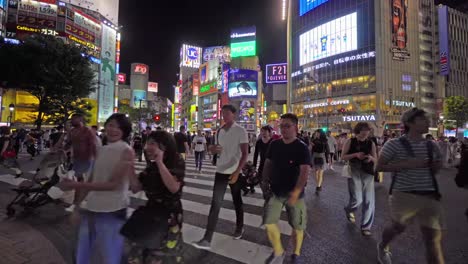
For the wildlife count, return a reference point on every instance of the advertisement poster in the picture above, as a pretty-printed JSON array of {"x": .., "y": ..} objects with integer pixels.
[
  {"x": 203, "y": 74},
  {"x": 138, "y": 99},
  {"x": 247, "y": 111},
  {"x": 107, "y": 73},
  {"x": 243, "y": 49},
  {"x": 399, "y": 29},
  {"x": 242, "y": 83},
  {"x": 221, "y": 53},
  {"x": 329, "y": 39}
]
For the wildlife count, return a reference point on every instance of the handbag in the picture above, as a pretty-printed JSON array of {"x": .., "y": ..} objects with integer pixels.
[
  {"x": 147, "y": 227},
  {"x": 346, "y": 171}
]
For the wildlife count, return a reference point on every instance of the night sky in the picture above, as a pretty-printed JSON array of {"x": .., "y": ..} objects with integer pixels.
[{"x": 153, "y": 34}]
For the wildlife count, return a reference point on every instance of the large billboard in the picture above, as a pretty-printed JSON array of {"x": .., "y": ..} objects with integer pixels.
[
  {"x": 276, "y": 73},
  {"x": 222, "y": 53},
  {"x": 243, "y": 49},
  {"x": 308, "y": 5},
  {"x": 444, "y": 48},
  {"x": 108, "y": 8},
  {"x": 138, "y": 99},
  {"x": 329, "y": 39},
  {"x": 190, "y": 56},
  {"x": 242, "y": 83},
  {"x": 399, "y": 9},
  {"x": 107, "y": 73}
]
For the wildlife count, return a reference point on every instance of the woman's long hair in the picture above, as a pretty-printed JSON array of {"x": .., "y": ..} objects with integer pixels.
[{"x": 167, "y": 143}]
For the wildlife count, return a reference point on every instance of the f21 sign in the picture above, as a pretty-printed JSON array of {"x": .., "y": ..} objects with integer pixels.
[{"x": 276, "y": 73}]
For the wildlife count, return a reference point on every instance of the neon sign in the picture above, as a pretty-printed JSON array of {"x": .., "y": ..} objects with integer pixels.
[
  {"x": 359, "y": 118},
  {"x": 140, "y": 69},
  {"x": 276, "y": 73}
]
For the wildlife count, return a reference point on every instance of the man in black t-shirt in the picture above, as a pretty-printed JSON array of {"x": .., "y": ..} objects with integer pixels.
[
  {"x": 286, "y": 171},
  {"x": 182, "y": 142}
]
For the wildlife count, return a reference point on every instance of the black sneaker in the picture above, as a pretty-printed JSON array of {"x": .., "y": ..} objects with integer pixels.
[
  {"x": 296, "y": 259},
  {"x": 238, "y": 233},
  {"x": 202, "y": 244}
]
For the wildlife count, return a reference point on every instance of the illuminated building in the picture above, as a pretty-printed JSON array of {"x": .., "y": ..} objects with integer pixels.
[
  {"x": 361, "y": 60},
  {"x": 92, "y": 25}
]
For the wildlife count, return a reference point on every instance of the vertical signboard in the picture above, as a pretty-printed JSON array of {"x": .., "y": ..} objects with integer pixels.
[
  {"x": 107, "y": 73},
  {"x": 399, "y": 9},
  {"x": 195, "y": 85},
  {"x": 190, "y": 56},
  {"x": 444, "y": 48}
]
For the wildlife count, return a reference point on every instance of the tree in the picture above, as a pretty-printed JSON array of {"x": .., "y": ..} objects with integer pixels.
[
  {"x": 456, "y": 108},
  {"x": 57, "y": 74}
]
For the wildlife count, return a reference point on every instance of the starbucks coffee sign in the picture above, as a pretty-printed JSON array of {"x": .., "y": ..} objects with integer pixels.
[{"x": 359, "y": 118}]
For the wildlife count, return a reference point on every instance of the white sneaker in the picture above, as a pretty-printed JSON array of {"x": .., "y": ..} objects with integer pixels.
[{"x": 70, "y": 208}]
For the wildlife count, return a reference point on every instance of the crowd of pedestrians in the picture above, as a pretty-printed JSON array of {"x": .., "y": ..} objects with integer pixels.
[{"x": 104, "y": 173}]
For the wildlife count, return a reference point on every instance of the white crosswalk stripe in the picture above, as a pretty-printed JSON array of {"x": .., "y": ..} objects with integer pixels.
[{"x": 197, "y": 194}]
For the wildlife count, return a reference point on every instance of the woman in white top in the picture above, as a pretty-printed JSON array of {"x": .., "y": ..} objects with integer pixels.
[
  {"x": 199, "y": 145},
  {"x": 106, "y": 194}
]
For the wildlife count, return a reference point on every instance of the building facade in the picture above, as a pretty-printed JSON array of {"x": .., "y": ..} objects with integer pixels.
[
  {"x": 361, "y": 60},
  {"x": 92, "y": 25}
]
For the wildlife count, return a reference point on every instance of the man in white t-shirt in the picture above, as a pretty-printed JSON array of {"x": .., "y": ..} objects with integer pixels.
[
  {"x": 199, "y": 146},
  {"x": 231, "y": 146}
]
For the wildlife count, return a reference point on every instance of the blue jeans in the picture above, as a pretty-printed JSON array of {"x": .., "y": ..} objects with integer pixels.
[
  {"x": 100, "y": 231},
  {"x": 361, "y": 191},
  {"x": 199, "y": 159}
]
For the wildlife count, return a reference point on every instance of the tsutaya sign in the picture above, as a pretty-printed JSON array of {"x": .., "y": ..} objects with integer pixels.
[{"x": 358, "y": 118}]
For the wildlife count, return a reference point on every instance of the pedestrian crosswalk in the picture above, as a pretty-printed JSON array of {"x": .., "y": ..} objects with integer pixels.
[
  {"x": 196, "y": 200},
  {"x": 254, "y": 247}
]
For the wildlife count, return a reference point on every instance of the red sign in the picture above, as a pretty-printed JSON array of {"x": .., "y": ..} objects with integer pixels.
[
  {"x": 140, "y": 69},
  {"x": 36, "y": 22},
  {"x": 79, "y": 33},
  {"x": 122, "y": 77},
  {"x": 153, "y": 87}
]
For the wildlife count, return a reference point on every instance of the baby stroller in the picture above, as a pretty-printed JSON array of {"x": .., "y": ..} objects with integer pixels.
[
  {"x": 37, "y": 192},
  {"x": 249, "y": 178}
]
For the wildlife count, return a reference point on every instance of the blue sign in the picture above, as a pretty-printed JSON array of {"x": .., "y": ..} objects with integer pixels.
[
  {"x": 192, "y": 53},
  {"x": 308, "y": 5},
  {"x": 2, "y": 4}
]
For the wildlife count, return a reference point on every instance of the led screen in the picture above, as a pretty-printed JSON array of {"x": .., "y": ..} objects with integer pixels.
[
  {"x": 138, "y": 98},
  {"x": 243, "y": 49},
  {"x": 242, "y": 89},
  {"x": 307, "y": 5},
  {"x": 332, "y": 38}
]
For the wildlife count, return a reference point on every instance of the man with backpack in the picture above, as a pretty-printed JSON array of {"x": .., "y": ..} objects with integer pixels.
[{"x": 414, "y": 191}]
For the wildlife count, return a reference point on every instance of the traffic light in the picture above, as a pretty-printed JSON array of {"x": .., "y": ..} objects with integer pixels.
[
  {"x": 157, "y": 118},
  {"x": 325, "y": 129}
]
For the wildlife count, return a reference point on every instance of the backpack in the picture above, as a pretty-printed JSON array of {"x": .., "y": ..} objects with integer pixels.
[{"x": 407, "y": 146}]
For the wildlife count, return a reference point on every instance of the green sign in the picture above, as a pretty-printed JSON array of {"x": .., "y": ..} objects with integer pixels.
[
  {"x": 243, "y": 49},
  {"x": 205, "y": 88}
]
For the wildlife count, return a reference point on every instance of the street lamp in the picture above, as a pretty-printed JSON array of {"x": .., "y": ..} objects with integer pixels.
[{"x": 12, "y": 108}]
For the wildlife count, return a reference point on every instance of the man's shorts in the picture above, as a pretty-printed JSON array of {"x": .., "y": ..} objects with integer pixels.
[
  {"x": 297, "y": 214},
  {"x": 82, "y": 167},
  {"x": 404, "y": 207}
]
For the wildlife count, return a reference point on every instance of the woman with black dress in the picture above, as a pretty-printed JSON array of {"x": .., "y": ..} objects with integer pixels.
[
  {"x": 162, "y": 182},
  {"x": 319, "y": 152},
  {"x": 261, "y": 148}
]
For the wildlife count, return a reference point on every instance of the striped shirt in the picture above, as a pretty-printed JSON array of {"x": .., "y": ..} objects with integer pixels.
[{"x": 418, "y": 179}]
